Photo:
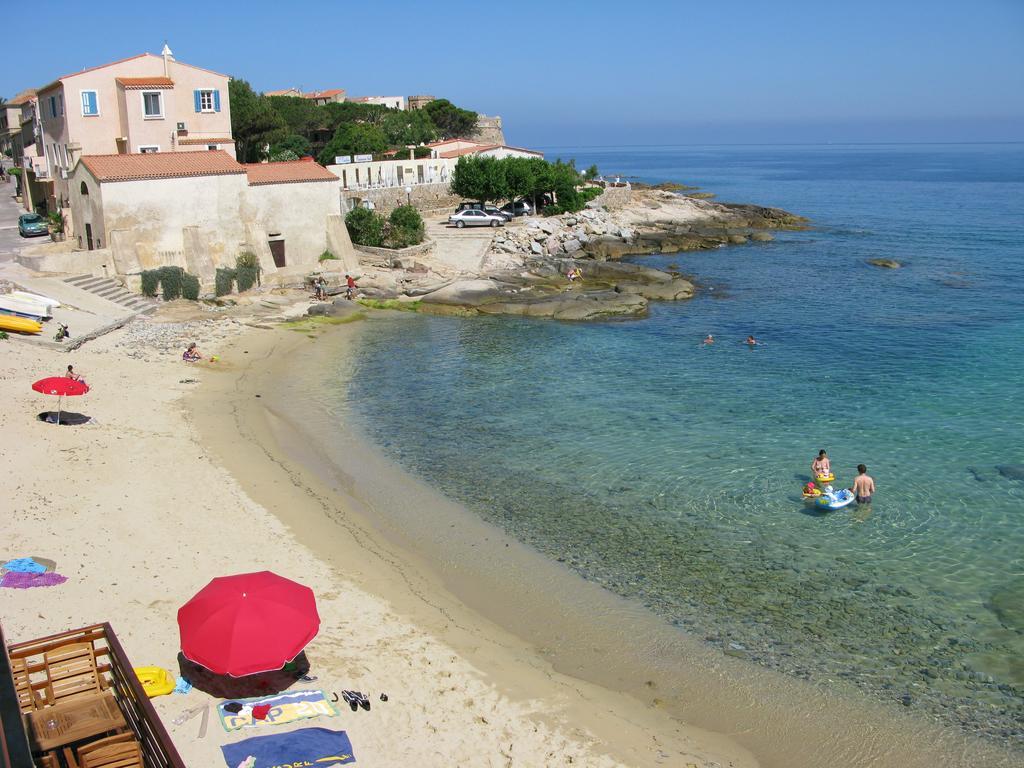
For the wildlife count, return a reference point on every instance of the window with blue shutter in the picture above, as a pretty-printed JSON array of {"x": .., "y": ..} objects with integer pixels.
[
  {"x": 216, "y": 101},
  {"x": 198, "y": 96},
  {"x": 90, "y": 103}
]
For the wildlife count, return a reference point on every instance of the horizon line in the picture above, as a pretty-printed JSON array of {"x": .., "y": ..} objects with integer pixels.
[{"x": 784, "y": 144}]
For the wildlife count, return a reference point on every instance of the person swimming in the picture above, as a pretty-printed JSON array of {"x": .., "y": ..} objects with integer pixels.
[
  {"x": 751, "y": 341},
  {"x": 709, "y": 339}
]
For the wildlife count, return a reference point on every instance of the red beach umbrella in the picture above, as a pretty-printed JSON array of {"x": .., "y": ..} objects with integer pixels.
[
  {"x": 248, "y": 623},
  {"x": 61, "y": 386}
]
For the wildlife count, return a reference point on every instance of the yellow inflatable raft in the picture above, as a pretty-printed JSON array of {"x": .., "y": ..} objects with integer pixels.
[
  {"x": 830, "y": 477},
  {"x": 19, "y": 324},
  {"x": 156, "y": 681},
  {"x": 813, "y": 494}
]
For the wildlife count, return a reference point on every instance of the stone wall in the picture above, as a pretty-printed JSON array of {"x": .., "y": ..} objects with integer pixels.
[
  {"x": 427, "y": 198},
  {"x": 488, "y": 130}
]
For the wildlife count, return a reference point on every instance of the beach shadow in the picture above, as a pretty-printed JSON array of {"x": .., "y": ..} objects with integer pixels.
[
  {"x": 67, "y": 418},
  {"x": 228, "y": 687}
]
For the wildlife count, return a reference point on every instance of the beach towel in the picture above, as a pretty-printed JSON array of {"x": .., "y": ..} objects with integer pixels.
[
  {"x": 16, "y": 580},
  {"x": 23, "y": 565},
  {"x": 284, "y": 708},
  {"x": 307, "y": 746}
]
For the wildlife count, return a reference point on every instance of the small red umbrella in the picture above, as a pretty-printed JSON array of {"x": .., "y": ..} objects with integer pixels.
[
  {"x": 249, "y": 623},
  {"x": 61, "y": 386}
]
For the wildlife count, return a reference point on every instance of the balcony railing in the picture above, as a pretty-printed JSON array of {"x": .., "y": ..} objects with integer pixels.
[{"x": 116, "y": 670}]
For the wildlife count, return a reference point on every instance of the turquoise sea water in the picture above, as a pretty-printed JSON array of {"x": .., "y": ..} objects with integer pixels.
[{"x": 670, "y": 472}]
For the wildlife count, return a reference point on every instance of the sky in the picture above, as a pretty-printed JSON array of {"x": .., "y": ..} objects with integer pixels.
[{"x": 573, "y": 73}]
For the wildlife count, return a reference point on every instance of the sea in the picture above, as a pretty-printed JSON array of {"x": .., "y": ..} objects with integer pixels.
[{"x": 670, "y": 472}]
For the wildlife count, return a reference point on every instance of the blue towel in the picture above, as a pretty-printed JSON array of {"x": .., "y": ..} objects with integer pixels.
[
  {"x": 306, "y": 746},
  {"x": 24, "y": 565},
  {"x": 181, "y": 685}
]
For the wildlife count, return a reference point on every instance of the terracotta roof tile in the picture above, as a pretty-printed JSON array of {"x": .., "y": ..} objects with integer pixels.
[
  {"x": 467, "y": 150},
  {"x": 146, "y": 82},
  {"x": 283, "y": 92},
  {"x": 323, "y": 94},
  {"x": 161, "y": 165},
  {"x": 287, "y": 172},
  {"x": 216, "y": 140}
]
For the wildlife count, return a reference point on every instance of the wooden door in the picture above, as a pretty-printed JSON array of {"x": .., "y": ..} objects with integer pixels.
[
  {"x": 88, "y": 236},
  {"x": 277, "y": 251}
]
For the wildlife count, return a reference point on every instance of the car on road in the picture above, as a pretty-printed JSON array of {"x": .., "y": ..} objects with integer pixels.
[
  {"x": 486, "y": 208},
  {"x": 32, "y": 225},
  {"x": 519, "y": 208},
  {"x": 474, "y": 217}
]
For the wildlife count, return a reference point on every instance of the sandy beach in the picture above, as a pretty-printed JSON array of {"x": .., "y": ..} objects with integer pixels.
[{"x": 139, "y": 513}]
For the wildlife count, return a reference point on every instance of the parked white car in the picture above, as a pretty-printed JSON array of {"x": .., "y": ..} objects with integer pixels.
[{"x": 473, "y": 217}]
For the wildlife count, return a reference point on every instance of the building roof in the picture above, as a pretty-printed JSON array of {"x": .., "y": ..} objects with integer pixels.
[
  {"x": 467, "y": 150},
  {"x": 57, "y": 82},
  {"x": 27, "y": 95},
  {"x": 284, "y": 92},
  {"x": 146, "y": 82},
  {"x": 161, "y": 165},
  {"x": 216, "y": 140},
  {"x": 287, "y": 172},
  {"x": 323, "y": 94}
]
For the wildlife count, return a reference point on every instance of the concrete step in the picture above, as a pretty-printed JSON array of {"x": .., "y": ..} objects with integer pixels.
[{"x": 113, "y": 291}]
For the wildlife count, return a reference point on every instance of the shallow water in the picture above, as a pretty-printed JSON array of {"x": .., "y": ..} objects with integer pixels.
[{"x": 670, "y": 472}]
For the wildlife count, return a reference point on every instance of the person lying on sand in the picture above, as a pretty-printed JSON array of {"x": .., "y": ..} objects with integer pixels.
[{"x": 191, "y": 354}]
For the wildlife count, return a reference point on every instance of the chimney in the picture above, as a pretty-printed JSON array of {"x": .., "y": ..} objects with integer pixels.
[
  {"x": 168, "y": 57},
  {"x": 74, "y": 150}
]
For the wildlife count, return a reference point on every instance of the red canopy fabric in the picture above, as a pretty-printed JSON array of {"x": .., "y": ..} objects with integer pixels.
[
  {"x": 249, "y": 623},
  {"x": 61, "y": 385}
]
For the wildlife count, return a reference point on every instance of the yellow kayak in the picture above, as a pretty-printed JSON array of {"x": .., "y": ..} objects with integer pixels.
[{"x": 19, "y": 324}]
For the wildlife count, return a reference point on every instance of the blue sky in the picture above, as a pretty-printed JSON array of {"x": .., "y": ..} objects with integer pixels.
[{"x": 593, "y": 73}]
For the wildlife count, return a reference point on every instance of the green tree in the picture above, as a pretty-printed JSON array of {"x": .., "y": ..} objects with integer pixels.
[
  {"x": 254, "y": 123},
  {"x": 405, "y": 227},
  {"x": 480, "y": 178},
  {"x": 292, "y": 143},
  {"x": 301, "y": 116},
  {"x": 520, "y": 177},
  {"x": 450, "y": 120},
  {"x": 365, "y": 227},
  {"x": 354, "y": 139},
  {"x": 404, "y": 127}
]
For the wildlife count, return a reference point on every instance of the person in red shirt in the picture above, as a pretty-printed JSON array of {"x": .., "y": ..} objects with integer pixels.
[{"x": 350, "y": 287}]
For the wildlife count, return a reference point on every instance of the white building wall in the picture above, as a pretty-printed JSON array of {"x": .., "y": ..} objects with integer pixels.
[{"x": 296, "y": 213}]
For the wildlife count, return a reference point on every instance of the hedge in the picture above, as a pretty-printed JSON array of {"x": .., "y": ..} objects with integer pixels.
[{"x": 224, "y": 281}]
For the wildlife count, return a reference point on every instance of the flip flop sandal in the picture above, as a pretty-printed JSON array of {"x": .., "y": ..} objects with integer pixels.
[
  {"x": 363, "y": 701},
  {"x": 350, "y": 699}
]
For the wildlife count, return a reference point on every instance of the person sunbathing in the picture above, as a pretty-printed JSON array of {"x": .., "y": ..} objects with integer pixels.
[{"x": 191, "y": 354}]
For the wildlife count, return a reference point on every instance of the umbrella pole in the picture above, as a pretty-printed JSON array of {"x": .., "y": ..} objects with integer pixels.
[{"x": 59, "y": 400}]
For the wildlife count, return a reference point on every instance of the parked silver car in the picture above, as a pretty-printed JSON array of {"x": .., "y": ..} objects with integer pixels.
[{"x": 473, "y": 217}]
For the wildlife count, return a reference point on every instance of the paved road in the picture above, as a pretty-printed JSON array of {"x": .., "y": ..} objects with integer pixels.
[{"x": 10, "y": 241}]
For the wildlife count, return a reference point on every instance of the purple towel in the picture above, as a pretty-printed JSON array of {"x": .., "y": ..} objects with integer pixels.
[{"x": 18, "y": 580}]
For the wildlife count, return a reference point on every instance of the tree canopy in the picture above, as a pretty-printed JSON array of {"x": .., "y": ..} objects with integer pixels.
[
  {"x": 489, "y": 179},
  {"x": 254, "y": 122},
  {"x": 450, "y": 120},
  {"x": 291, "y": 125}
]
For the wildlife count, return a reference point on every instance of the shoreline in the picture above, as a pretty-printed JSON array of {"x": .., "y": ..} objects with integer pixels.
[
  {"x": 326, "y": 515},
  {"x": 841, "y": 736}
]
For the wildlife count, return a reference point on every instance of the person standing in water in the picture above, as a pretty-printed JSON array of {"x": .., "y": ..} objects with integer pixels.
[
  {"x": 821, "y": 466},
  {"x": 863, "y": 485}
]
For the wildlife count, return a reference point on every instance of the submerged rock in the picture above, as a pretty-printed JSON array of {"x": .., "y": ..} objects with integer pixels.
[
  {"x": 1011, "y": 471},
  {"x": 885, "y": 263}
]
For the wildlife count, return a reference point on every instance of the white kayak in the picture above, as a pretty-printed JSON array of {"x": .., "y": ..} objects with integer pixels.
[
  {"x": 51, "y": 303},
  {"x": 837, "y": 500},
  {"x": 23, "y": 307}
]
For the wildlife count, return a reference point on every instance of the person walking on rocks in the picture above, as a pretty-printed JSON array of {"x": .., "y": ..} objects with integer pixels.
[{"x": 350, "y": 287}]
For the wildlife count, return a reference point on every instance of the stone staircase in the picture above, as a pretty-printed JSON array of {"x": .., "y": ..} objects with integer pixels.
[{"x": 111, "y": 290}]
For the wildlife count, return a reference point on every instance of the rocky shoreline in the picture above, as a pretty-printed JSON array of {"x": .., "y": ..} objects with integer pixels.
[{"x": 524, "y": 271}]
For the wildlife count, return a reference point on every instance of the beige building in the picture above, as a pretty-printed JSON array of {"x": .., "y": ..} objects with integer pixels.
[
  {"x": 143, "y": 104},
  {"x": 200, "y": 210},
  {"x": 419, "y": 102},
  {"x": 391, "y": 102},
  {"x": 330, "y": 96},
  {"x": 452, "y": 149}
]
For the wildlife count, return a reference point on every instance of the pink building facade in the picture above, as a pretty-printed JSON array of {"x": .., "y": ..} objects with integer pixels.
[{"x": 146, "y": 103}]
